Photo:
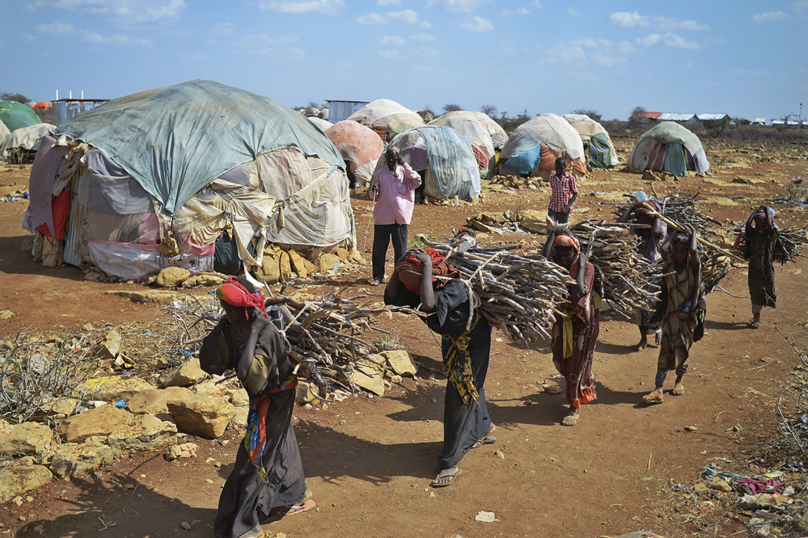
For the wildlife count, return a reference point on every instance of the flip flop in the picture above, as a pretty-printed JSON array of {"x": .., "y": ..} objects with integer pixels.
[
  {"x": 484, "y": 441},
  {"x": 678, "y": 392},
  {"x": 445, "y": 480},
  {"x": 570, "y": 420},
  {"x": 299, "y": 509},
  {"x": 652, "y": 401}
]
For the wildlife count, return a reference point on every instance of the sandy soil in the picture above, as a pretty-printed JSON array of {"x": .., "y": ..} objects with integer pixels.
[{"x": 369, "y": 461}]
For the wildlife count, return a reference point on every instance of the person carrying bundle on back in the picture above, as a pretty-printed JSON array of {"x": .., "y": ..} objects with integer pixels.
[
  {"x": 651, "y": 239},
  {"x": 576, "y": 328},
  {"x": 681, "y": 309},
  {"x": 565, "y": 191},
  {"x": 761, "y": 236},
  {"x": 465, "y": 347}
]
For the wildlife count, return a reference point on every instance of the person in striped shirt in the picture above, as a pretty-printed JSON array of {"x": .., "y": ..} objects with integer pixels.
[{"x": 563, "y": 184}]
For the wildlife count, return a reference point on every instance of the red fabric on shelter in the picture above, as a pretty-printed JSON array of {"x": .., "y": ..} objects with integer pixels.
[{"x": 60, "y": 206}]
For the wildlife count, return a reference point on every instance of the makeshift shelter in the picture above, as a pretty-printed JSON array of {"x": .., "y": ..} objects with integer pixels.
[
  {"x": 359, "y": 146},
  {"x": 535, "y": 145},
  {"x": 670, "y": 147},
  {"x": 387, "y": 117},
  {"x": 445, "y": 155},
  {"x": 23, "y": 139},
  {"x": 596, "y": 140},
  {"x": 17, "y": 115},
  {"x": 41, "y": 104},
  {"x": 182, "y": 175},
  {"x": 714, "y": 122},
  {"x": 474, "y": 131},
  {"x": 4, "y": 132},
  {"x": 322, "y": 124}
]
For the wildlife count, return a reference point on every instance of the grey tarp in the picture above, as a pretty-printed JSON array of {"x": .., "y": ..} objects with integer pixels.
[{"x": 204, "y": 129}]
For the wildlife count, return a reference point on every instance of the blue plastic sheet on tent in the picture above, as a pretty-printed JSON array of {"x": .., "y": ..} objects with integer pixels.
[
  {"x": 675, "y": 161},
  {"x": 526, "y": 162},
  {"x": 177, "y": 139}
]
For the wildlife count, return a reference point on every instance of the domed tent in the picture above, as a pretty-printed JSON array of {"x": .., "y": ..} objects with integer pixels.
[
  {"x": 447, "y": 158},
  {"x": 387, "y": 117},
  {"x": 601, "y": 150},
  {"x": 25, "y": 139},
  {"x": 535, "y": 145},
  {"x": 322, "y": 124},
  {"x": 181, "y": 174},
  {"x": 670, "y": 147},
  {"x": 359, "y": 146},
  {"x": 17, "y": 115},
  {"x": 474, "y": 131}
]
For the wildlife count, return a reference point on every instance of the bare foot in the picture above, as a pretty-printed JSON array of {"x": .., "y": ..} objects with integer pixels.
[
  {"x": 571, "y": 418},
  {"x": 755, "y": 323}
]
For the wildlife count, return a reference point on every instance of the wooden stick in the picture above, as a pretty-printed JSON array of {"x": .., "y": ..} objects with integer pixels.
[{"x": 678, "y": 227}]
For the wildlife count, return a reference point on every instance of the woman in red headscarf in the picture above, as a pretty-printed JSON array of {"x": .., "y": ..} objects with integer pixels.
[
  {"x": 576, "y": 328},
  {"x": 465, "y": 348},
  {"x": 267, "y": 476}
]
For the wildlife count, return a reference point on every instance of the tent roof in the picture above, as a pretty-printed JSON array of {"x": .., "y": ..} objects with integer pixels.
[
  {"x": 547, "y": 129},
  {"x": 649, "y": 115},
  {"x": 470, "y": 126},
  {"x": 703, "y": 117},
  {"x": 384, "y": 112},
  {"x": 669, "y": 132},
  {"x": 670, "y": 116},
  {"x": 177, "y": 139},
  {"x": 586, "y": 126},
  {"x": 17, "y": 115}
]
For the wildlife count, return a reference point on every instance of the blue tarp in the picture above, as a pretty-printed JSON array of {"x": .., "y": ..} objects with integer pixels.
[
  {"x": 526, "y": 162},
  {"x": 675, "y": 161},
  {"x": 177, "y": 139}
]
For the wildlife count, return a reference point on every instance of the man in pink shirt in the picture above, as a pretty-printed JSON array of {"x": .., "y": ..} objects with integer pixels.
[{"x": 393, "y": 190}]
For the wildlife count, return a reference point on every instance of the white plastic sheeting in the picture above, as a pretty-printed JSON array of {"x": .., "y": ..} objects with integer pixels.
[
  {"x": 25, "y": 138},
  {"x": 548, "y": 130},
  {"x": 322, "y": 124},
  {"x": 494, "y": 130},
  {"x": 468, "y": 125},
  {"x": 587, "y": 128},
  {"x": 4, "y": 132},
  {"x": 648, "y": 151},
  {"x": 359, "y": 145},
  {"x": 387, "y": 115}
]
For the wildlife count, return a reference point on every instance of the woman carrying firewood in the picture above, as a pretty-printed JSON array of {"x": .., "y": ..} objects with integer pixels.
[
  {"x": 466, "y": 345},
  {"x": 760, "y": 235},
  {"x": 681, "y": 309},
  {"x": 576, "y": 328},
  {"x": 267, "y": 478}
]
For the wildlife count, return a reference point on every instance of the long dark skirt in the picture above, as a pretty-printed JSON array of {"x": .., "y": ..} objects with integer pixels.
[
  {"x": 465, "y": 424},
  {"x": 245, "y": 495}
]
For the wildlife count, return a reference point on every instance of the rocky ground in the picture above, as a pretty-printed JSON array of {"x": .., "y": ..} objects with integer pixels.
[{"x": 369, "y": 459}]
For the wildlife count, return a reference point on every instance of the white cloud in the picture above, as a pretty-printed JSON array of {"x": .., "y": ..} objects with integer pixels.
[
  {"x": 520, "y": 11},
  {"x": 625, "y": 47},
  {"x": 326, "y": 7},
  {"x": 591, "y": 42},
  {"x": 764, "y": 17},
  {"x": 478, "y": 24},
  {"x": 407, "y": 16},
  {"x": 124, "y": 11},
  {"x": 566, "y": 54},
  {"x": 199, "y": 57},
  {"x": 390, "y": 54},
  {"x": 574, "y": 12},
  {"x": 456, "y": 5},
  {"x": 212, "y": 42},
  {"x": 426, "y": 24},
  {"x": 669, "y": 40},
  {"x": 800, "y": 6},
  {"x": 388, "y": 2},
  {"x": 393, "y": 40},
  {"x": 427, "y": 52},
  {"x": 422, "y": 37},
  {"x": 57, "y": 28},
  {"x": 672, "y": 23},
  {"x": 224, "y": 28},
  {"x": 716, "y": 41},
  {"x": 608, "y": 61},
  {"x": 628, "y": 20},
  {"x": 536, "y": 4},
  {"x": 261, "y": 44},
  {"x": 94, "y": 37}
]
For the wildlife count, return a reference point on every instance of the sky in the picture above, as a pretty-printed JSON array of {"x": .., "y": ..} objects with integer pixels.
[{"x": 743, "y": 58}]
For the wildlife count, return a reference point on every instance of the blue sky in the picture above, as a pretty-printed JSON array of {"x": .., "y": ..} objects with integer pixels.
[{"x": 747, "y": 59}]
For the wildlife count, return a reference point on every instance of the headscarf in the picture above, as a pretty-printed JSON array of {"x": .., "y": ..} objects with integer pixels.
[
  {"x": 410, "y": 270},
  {"x": 567, "y": 239},
  {"x": 235, "y": 294}
]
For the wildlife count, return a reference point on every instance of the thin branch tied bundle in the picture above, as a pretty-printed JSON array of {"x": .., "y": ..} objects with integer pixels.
[{"x": 519, "y": 294}]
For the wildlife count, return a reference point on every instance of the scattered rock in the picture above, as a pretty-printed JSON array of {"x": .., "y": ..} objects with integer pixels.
[
  {"x": 70, "y": 459},
  {"x": 297, "y": 263},
  {"x": 25, "y": 438},
  {"x": 499, "y": 454},
  {"x": 154, "y": 400},
  {"x": 109, "y": 347},
  {"x": 304, "y": 393},
  {"x": 369, "y": 379},
  {"x": 147, "y": 432},
  {"x": 17, "y": 479},
  {"x": 172, "y": 277},
  {"x": 240, "y": 398},
  {"x": 284, "y": 265},
  {"x": 185, "y": 525},
  {"x": 99, "y": 422},
  {"x": 241, "y": 416},
  {"x": 327, "y": 262},
  {"x": 400, "y": 362},
  {"x": 202, "y": 280},
  {"x": 6, "y": 314},
  {"x": 202, "y": 415},
  {"x": 212, "y": 388},
  {"x": 187, "y": 374},
  {"x": 119, "y": 389},
  {"x": 186, "y": 450},
  {"x": 343, "y": 254},
  {"x": 721, "y": 485},
  {"x": 269, "y": 271},
  {"x": 485, "y": 517},
  {"x": 145, "y": 296}
]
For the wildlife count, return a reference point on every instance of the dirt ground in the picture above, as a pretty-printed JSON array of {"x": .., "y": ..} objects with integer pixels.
[{"x": 369, "y": 460}]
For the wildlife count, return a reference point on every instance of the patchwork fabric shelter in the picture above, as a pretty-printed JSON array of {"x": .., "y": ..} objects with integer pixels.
[
  {"x": 358, "y": 145},
  {"x": 386, "y": 116},
  {"x": 535, "y": 145},
  {"x": 173, "y": 175},
  {"x": 670, "y": 147},
  {"x": 597, "y": 141},
  {"x": 24, "y": 138},
  {"x": 445, "y": 155},
  {"x": 474, "y": 131},
  {"x": 17, "y": 115}
]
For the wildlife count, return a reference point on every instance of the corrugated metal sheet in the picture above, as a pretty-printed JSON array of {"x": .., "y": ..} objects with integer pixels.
[
  {"x": 340, "y": 110},
  {"x": 703, "y": 117},
  {"x": 761, "y": 121},
  {"x": 75, "y": 221},
  {"x": 668, "y": 116}
]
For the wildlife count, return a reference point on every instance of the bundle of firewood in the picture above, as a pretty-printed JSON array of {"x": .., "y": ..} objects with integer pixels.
[{"x": 682, "y": 208}]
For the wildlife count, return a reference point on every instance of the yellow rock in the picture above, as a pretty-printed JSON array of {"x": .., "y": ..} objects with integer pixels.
[
  {"x": 298, "y": 265},
  {"x": 327, "y": 262},
  {"x": 343, "y": 254}
]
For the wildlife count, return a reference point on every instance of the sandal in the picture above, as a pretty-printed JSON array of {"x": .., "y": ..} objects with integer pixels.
[
  {"x": 652, "y": 400},
  {"x": 678, "y": 391},
  {"x": 445, "y": 480},
  {"x": 571, "y": 419},
  {"x": 484, "y": 441},
  {"x": 299, "y": 509}
]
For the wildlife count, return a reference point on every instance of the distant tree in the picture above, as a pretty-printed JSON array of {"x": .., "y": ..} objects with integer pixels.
[
  {"x": 524, "y": 115},
  {"x": 504, "y": 115},
  {"x": 591, "y": 113},
  {"x": 20, "y": 98},
  {"x": 489, "y": 110},
  {"x": 313, "y": 104},
  {"x": 634, "y": 117},
  {"x": 451, "y": 108}
]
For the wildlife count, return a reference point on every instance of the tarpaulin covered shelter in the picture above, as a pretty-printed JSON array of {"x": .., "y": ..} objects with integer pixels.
[
  {"x": 446, "y": 156},
  {"x": 214, "y": 165},
  {"x": 41, "y": 104},
  {"x": 474, "y": 131},
  {"x": 597, "y": 141},
  {"x": 715, "y": 122},
  {"x": 670, "y": 147},
  {"x": 386, "y": 116},
  {"x": 24, "y": 138},
  {"x": 4, "y": 132},
  {"x": 17, "y": 115},
  {"x": 322, "y": 124},
  {"x": 535, "y": 145},
  {"x": 358, "y": 145}
]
